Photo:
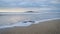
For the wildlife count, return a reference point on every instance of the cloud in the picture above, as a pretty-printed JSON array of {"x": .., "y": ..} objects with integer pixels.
[
  {"x": 29, "y": 3},
  {"x": 55, "y": 1},
  {"x": 25, "y": 3}
]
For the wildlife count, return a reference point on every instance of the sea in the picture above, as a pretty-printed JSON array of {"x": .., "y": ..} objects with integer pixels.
[{"x": 8, "y": 19}]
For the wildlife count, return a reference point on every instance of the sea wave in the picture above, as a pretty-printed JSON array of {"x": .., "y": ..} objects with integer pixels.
[{"x": 26, "y": 24}]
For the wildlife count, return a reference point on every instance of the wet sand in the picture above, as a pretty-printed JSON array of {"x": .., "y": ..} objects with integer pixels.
[{"x": 47, "y": 27}]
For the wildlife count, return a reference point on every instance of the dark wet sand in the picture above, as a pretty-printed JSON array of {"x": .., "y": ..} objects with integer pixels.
[{"x": 47, "y": 27}]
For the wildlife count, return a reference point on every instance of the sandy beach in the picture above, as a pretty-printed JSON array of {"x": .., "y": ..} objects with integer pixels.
[{"x": 47, "y": 27}]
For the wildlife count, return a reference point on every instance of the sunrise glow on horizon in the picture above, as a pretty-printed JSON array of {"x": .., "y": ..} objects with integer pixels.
[{"x": 15, "y": 10}]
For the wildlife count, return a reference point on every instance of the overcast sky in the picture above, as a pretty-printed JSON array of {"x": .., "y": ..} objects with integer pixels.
[{"x": 29, "y": 3}]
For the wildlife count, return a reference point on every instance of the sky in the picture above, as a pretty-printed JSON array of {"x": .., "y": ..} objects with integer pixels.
[{"x": 26, "y": 5}]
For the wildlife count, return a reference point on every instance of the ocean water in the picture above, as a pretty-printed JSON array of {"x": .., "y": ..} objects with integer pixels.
[
  {"x": 17, "y": 19},
  {"x": 47, "y": 9}
]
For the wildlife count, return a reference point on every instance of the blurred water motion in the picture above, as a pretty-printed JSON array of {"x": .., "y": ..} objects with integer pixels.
[
  {"x": 44, "y": 9},
  {"x": 17, "y": 18}
]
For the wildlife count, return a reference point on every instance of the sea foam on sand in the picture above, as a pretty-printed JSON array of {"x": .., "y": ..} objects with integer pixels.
[{"x": 26, "y": 24}]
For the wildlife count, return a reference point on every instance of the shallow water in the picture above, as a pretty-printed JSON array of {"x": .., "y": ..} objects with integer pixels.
[{"x": 9, "y": 20}]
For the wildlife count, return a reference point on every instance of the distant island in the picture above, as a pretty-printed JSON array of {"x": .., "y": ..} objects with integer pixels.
[{"x": 30, "y": 12}]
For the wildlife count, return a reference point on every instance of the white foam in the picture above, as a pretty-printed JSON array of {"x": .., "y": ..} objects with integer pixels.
[
  {"x": 27, "y": 24},
  {"x": 45, "y": 20}
]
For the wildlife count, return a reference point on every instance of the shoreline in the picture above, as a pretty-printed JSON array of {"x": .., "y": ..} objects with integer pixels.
[
  {"x": 37, "y": 22},
  {"x": 47, "y": 27}
]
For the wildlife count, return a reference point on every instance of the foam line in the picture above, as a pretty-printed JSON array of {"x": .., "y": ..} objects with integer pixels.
[
  {"x": 45, "y": 20},
  {"x": 7, "y": 26}
]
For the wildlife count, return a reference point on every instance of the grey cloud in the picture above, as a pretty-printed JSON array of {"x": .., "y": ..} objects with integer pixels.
[{"x": 26, "y": 3}]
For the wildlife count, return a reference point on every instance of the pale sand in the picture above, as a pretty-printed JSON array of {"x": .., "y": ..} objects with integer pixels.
[{"x": 47, "y": 27}]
